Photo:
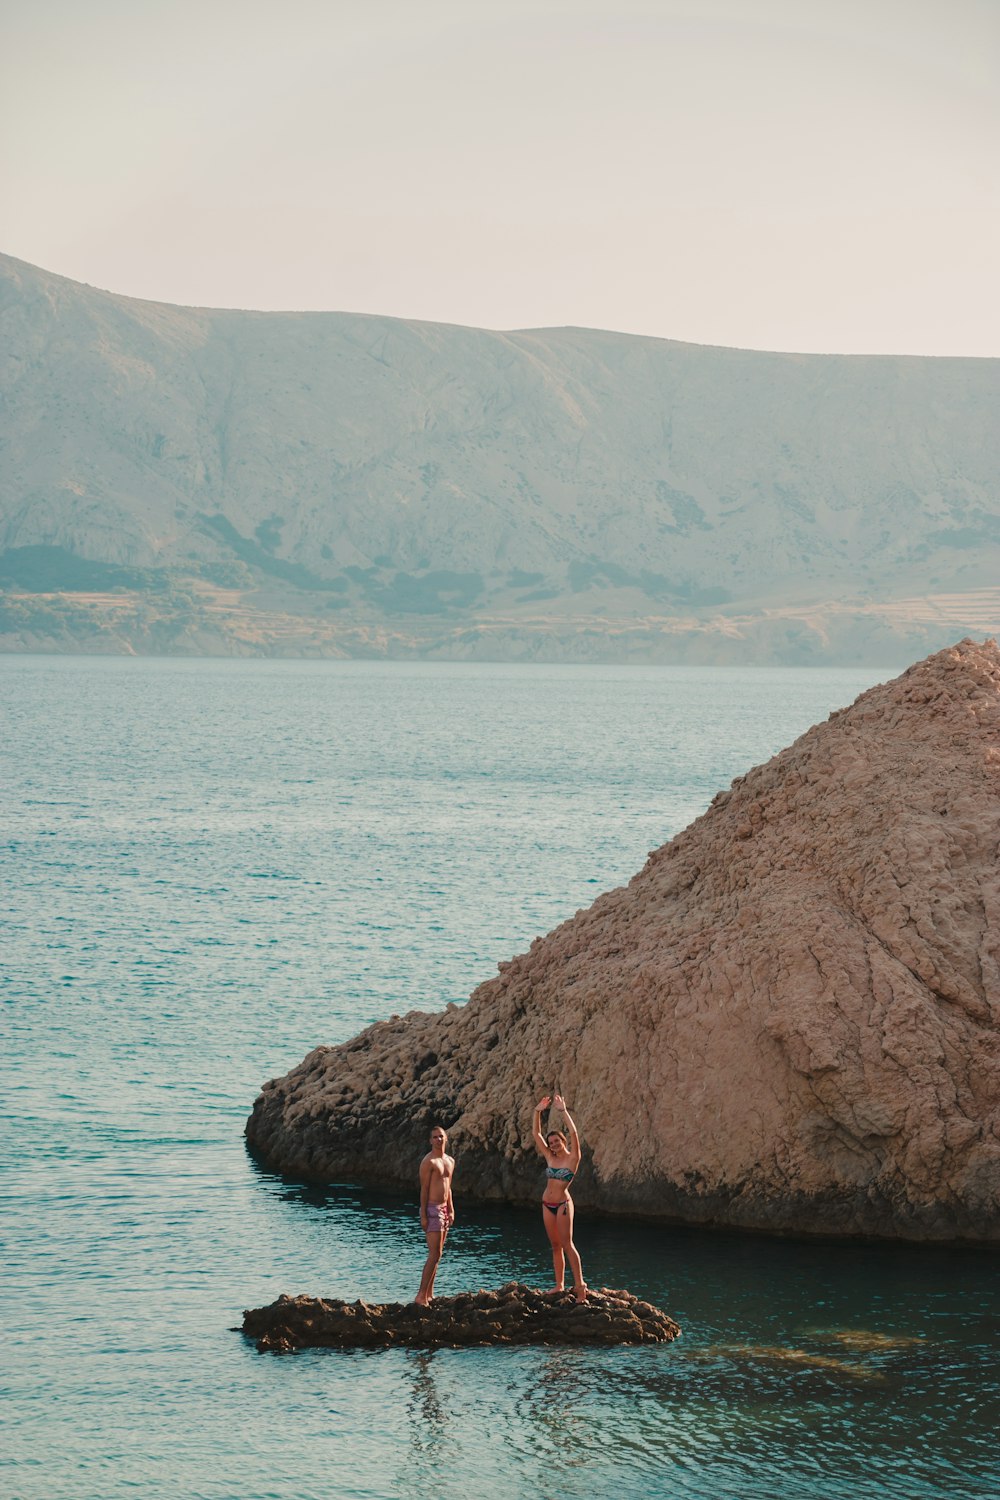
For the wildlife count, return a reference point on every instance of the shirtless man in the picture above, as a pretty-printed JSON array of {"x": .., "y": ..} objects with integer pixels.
[{"x": 437, "y": 1209}]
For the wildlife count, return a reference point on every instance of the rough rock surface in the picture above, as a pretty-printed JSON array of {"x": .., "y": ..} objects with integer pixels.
[
  {"x": 515, "y": 1314},
  {"x": 789, "y": 1020}
]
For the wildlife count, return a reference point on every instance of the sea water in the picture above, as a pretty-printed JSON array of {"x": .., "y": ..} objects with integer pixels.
[{"x": 210, "y": 867}]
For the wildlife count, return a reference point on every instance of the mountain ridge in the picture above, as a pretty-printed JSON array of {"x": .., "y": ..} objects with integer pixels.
[{"x": 353, "y": 471}]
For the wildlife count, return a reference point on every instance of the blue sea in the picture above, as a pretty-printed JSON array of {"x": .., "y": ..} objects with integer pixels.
[{"x": 207, "y": 868}]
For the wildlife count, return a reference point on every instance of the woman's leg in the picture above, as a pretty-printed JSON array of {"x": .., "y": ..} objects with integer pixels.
[
  {"x": 435, "y": 1244},
  {"x": 565, "y": 1227},
  {"x": 558, "y": 1259}
]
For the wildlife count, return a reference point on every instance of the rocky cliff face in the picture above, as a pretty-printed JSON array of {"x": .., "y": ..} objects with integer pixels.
[{"x": 789, "y": 1019}]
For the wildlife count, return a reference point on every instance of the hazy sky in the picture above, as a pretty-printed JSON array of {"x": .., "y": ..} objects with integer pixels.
[{"x": 784, "y": 174}]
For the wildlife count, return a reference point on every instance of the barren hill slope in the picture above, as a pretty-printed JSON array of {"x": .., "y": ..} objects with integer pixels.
[{"x": 436, "y": 480}]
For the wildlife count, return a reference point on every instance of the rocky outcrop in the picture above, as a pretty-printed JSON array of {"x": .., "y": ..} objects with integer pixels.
[
  {"x": 515, "y": 1314},
  {"x": 789, "y": 1020}
]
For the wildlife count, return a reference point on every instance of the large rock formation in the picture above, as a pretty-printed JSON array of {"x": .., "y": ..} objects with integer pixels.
[
  {"x": 515, "y": 1314},
  {"x": 787, "y": 1021}
]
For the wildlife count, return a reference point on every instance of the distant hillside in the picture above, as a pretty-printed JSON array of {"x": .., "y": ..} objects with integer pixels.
[{"x": 192, "y": 480}]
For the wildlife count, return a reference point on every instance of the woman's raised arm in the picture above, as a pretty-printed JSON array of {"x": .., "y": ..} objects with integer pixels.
[
  {"x": 536, "y": 1124},
  {"x": 574, "y": 1134}
]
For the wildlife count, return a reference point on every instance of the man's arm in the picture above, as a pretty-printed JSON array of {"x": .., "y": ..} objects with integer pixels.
[{"x": 425, "y": 1184}]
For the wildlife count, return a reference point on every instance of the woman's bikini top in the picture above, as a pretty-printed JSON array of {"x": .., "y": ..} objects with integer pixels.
[{"x": 564, "y": 1174}]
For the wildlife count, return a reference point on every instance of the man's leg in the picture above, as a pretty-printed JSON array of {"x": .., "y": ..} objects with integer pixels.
[{"x": 435, "y": 1244}]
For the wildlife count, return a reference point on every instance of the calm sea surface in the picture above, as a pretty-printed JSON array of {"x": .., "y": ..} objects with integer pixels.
[{"x": 206, "y": 868}]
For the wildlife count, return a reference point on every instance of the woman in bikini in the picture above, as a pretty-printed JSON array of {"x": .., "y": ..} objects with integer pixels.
[{"x": 562, "y": 1162}]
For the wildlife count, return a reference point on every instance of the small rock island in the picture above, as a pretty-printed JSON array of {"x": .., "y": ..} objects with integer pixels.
[
  {"x": 515, "y": 1314},
  {"x": 788, "y": 1021}
]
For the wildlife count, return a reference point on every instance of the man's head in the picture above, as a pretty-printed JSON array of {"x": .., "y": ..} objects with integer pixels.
[{"x": 439, "y": 1138}]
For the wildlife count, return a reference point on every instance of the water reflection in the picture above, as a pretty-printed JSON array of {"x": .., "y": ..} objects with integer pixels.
[
  {"x": 428, "y": 1419},
  {"x": 557, "y": 1414}
]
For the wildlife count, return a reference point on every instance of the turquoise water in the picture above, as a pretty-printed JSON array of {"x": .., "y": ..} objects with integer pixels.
[{"x": 206, "y": 868}]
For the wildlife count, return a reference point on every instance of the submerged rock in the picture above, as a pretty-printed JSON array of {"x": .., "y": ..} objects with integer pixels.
[
  {"x": 515, "y": 1314},
  {"x": 789, "y": 1020}
]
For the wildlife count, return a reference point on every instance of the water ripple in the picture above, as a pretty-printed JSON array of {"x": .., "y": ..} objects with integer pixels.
[{"x": 209, "y": 868}]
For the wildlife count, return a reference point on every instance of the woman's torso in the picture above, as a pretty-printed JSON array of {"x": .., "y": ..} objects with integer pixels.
[{"x": 559, "y": 1173}]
